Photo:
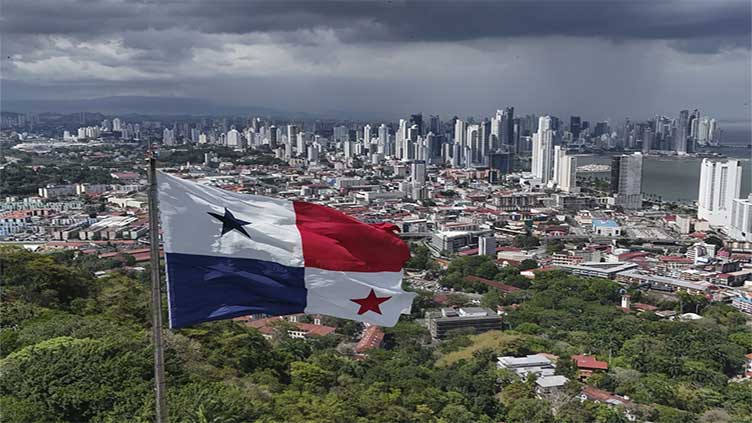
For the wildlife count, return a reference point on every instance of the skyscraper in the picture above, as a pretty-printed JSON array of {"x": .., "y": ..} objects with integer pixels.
[
  {"x": 720, "y": 184},
  {"x": 626, "y": 180},
  {"x": 575, "y": 126},
  {"x": 168, "y": 137},
  {"x": 543, "y": 150},
  {"x": 496, "y": 130},
  {"x": 500, "y": 163},
  {"x": 384, "y": 140},
  {"x": 400, "y": 139},
  {"x": 434, "y": 125},
  {"x": 485, "y": 139},
  {"x": 740, "y": 227},
  {"x": 418, "y": 180},
  {"x": 472, "y": 137},
  {"x": 681, "y": 132},
  {"x": 367, "y": 134},
  {"x": 565, "y": 170},
  {"x": 273, "y": 136},
  {"x": 233, "y": 139},
  {"x": 417, "y": 119},
  {"x": 459, "y": 139},
  {"x": 300, "y": 144},
  {"x": 507, "y": 136},
  {"x": 341, "y": 133}
]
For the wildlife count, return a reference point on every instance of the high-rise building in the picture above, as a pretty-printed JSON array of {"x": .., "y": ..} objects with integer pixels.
[
  {"x": 703, "y": 131},
  {"x": 543, "y": 150},
  {"x": 417, "y": 119},
  {"x": 367, "y": 134},
  {"x": 487, "y": 246},
  {"x": 485, "y": 141},
  {"x": 273, "y": 137},
  {"x": 496, "y": 130},
  {"x": 233, "y": 138},
  {"x": 434, "y": 125},
  {"x": 714, "y": 133},
  {"x": 418, "y": 180},
  {"x": 117, "y": 124},
  {"x": 340, "y": 133},
  {"x": 400, "y": 139},
  {"x": 460, "y": 140},
  {"x": 168, "y": 137},
  {"x": 681, "y": 132},
  {"x": 507, "y": 135},
  {"x": 292, "y": 133},
  {"x": 626, "y": 180},
  {"x": 472, "y": 137},
  {"x": 565, "y": 170},
  {"x": 300, "y": 144},
  {"x": 740, "y": 228},
  {"x": 499, "y": 163},
  {"x": 575, "y": 126},
  {"x": 313, "y": 154},
  {"x": 720, "y": 184}
]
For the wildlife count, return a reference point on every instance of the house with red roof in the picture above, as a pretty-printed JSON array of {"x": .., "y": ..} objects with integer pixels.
[
  {"x": 587, "y": 365},
  {"x": 302, "y": 331}
]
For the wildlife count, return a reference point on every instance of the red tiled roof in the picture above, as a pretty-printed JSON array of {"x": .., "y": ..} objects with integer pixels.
[
  {"x": 595, "y": 394},
  {"x": 265, "y": 326},
  {"x": 472, "y": 251},
  {"x": 495, "y": 284},
  {"x": 675, "y": 259},
  {"x": 589, "y": 362},
  {"x": 632, "y": 255},
  {"x": 644, "y": 307},
  {"x": 372, "y": 339}
]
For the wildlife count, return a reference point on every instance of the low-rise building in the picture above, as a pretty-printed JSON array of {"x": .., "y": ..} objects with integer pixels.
[
  {"x": 536, "y": 364},
  {"x": 588, "y": 365},
  {"x": 598, "y": 269},
  {"x": 606, "y": 228},
  {"x": 661, "y": 283},
  {"x": 549, "y": 385},
  {"x": 479, "y": 319},
  {"x": 743, "y": 304}
]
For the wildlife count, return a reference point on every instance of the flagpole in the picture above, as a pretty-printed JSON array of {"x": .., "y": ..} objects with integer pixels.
[{"x": 156, "y": 294}]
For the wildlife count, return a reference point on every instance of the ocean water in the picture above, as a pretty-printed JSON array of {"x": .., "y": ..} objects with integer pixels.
[{"x": 678, "y": 179}]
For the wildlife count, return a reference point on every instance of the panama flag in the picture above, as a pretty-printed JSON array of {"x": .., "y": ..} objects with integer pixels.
[{"x": 230, "y": 254}]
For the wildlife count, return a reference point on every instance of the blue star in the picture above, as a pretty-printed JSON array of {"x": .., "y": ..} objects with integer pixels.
[{"x": 231, "y": 223}]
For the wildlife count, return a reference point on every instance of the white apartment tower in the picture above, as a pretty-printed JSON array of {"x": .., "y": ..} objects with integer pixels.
[
  {"x": 626, "y": 180},
  {"x": 233, "y": 138},
  {"x": 565, "y": 170},
  {"x": 720, "y": 184},
  {"x": 460, "y": 140},
  {"x": 740, "y": 228},
  {"x": 400, "y": 139},
  {"x": 543, "y": 150},
  {"x": 367, "y": 134}
]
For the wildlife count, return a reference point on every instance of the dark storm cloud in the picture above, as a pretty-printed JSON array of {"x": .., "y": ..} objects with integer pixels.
[
  {"x": 603, "y": 58},
  {"x": 694, "y": 26}
]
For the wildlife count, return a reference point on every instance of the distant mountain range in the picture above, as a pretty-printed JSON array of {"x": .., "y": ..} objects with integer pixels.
[{"x": 146, "y": 105}]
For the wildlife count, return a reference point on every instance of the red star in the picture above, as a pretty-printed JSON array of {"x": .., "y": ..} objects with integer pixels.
[{"x": 370, "y": 303}]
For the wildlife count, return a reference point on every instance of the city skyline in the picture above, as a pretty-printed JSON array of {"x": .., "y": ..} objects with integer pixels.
[{"x": 389, "y": 59}]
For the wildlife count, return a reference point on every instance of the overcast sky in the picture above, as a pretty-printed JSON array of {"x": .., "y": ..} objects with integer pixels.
[{"x": 600, "y": 59}]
